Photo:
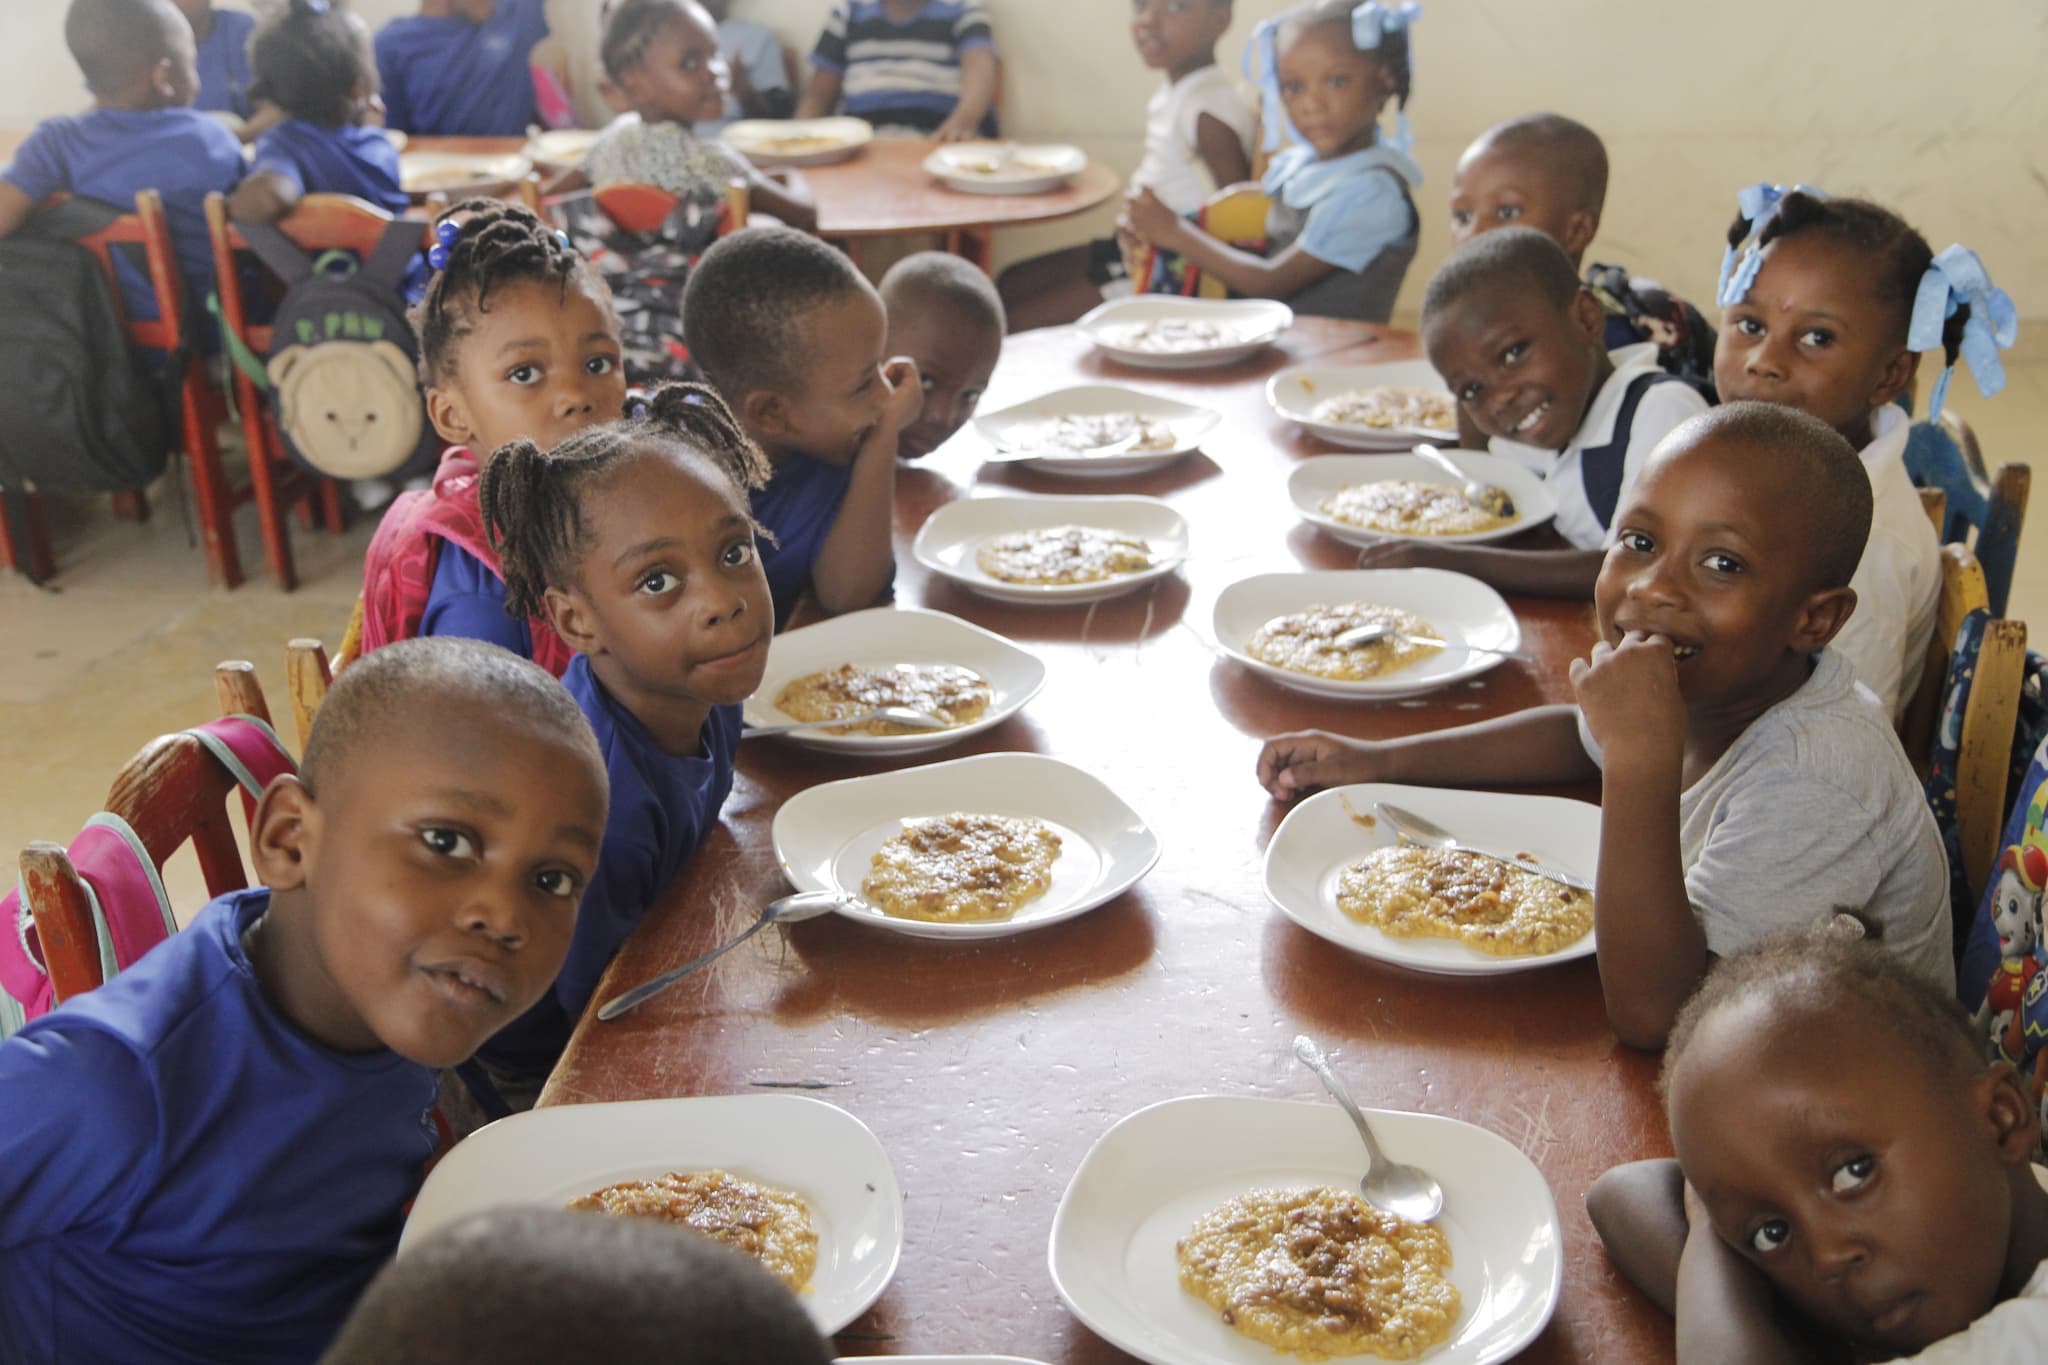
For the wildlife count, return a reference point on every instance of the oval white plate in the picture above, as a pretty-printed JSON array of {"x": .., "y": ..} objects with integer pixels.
[
  {"x": 1023, "y": 168},
  {"x": 758, "y": 138},
  {"x": 881, "y": 636},
  {"x": 1294, "y": 394},
  {"x": 1316, "y": 479},
  {"x": 1327, "y": 833},
  {"x": 947, "y": 541},
  {"x": 550, "y": 1156},
  {"x": 563, "y": 147},
  {"x": 1014, "y": 429},
  {"x": 939, "y": 1360},
  {"x": 1146, "y": 1181},
  {"x": 1463, "y": 610},
  {"x": 825, "y": 835},
  {"x": 454, "y": 172},
  {"x": 1255, "y": 322}
]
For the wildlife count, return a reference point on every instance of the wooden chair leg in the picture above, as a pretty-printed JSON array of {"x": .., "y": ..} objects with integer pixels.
[
  {"x": 333, "y": 507},
  {"x": 209, "y": 482},
  {"x": 264, "y": 478},
  {"x": 25, "y": 536}
]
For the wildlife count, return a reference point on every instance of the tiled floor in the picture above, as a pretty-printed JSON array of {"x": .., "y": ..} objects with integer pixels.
[{"x": 121, "y": 646}]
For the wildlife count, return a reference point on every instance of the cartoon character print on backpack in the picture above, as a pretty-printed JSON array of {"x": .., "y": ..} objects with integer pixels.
[
  {"x": 352, "y": 407},
  {"x": 2016, "y": 915}
]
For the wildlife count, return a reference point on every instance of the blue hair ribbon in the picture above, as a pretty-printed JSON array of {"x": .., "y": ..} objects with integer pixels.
[
  {"x": 1370, "y": 23},
  {"x": 1956, "y": 278},
  {"x": 1739, "y": 263}
]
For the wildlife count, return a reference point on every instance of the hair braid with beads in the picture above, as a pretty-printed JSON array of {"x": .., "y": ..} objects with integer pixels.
[
  {"x": 496, "y": 244},
  {"x": 531, "y": 498}
]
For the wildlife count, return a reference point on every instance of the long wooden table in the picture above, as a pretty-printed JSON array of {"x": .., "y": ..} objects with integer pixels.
[{"x": 988, "y": 1070}]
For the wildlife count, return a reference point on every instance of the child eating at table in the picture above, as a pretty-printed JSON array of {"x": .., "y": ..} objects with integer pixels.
[
  {"x": 1853, "y": 1178},
  {"x": 462, "y": 67},
  {"x": 634, "y": 540},
  {"x": 945, "y": 315},
  {"x": 1744, "y": 778},
  {"x": 517, "y": 341},
  {"x": 921, "y": 68},
  {"x": 796, "y": 340},
  {"x": 208, "y": 1157},
  {"x": 1342, "y": 228}
]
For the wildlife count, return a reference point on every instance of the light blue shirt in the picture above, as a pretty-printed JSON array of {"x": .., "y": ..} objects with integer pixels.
[{"x": 1354, "y": 213}]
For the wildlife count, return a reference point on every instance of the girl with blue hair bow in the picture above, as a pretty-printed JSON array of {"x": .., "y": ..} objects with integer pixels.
[{"x": 1342, "y": 228}]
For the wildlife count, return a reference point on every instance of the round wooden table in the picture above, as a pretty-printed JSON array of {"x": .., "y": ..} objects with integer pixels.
[{"x": 987, "y": 1070}]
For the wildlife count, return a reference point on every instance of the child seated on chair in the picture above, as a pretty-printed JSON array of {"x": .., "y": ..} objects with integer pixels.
[
  {"x": 920, "y": 68},
  {"x": 1342, "y": 227},
  {"x": 760, "y": 80},
  {"x": 1853, "y": 1179},
  {"x": 209, "y": 1156},
  {"x": 788, "y": 330},
  {"x": 462, "y": 67},
  {"x": 517, "y": 341},
  {"x": 945, "y": 315},
  {"x": 634, "y": 540},
  {"x": 221, "y": 57},
  {"x": 1745, "y": 779},
  {"x": 141, "y": 133}
]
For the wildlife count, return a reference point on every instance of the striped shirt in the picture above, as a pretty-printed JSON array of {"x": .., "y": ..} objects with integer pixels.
[{"x": 903, "y": 75}]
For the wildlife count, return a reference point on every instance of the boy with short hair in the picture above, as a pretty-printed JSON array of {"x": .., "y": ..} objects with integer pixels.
[
  {"x": 796, "y": 340},
  {"x": 209, "y": 1156},
  {"x": 1747, "y": 784},
  {"x": 945, "y": 315},
  {"x": 462, "y": 67},
  {"x": 926, "y": 68}
]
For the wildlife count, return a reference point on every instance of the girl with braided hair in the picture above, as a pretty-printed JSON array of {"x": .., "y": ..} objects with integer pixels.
[
  {"x": 634, "y": 541},
  {"x": 518, "y": 341}
]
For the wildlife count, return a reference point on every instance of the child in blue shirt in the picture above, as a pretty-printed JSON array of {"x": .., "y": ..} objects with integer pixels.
[
  {"x": 462, "y": 67},
  {"x": 208, "y": 1157},
  {"x": 1342, "y": 227},
  {"x": 222, "y": 37},
  {"x": 796, "y": 339},
  {"x": 141, "y": 133},
  {"x": 634, "y": 539},
  {"x": 922, "y": 67}
]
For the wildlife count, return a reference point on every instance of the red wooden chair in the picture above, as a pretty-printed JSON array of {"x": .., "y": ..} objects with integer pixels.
[
  {"x": 62, "y": 911},
  {"x": 643, "y": 208}
]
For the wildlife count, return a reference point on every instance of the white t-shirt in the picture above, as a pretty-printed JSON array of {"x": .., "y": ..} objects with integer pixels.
[
  {"x": 1662, "y": 407},
  {"x": 1172, "y": 167},
  {"x": 1898, "y": 580},
  {"x": 2013, "y": 1333}
]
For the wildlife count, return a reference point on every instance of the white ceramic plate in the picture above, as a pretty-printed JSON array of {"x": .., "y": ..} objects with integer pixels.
[
  {"x": 1327, "y": 833},
  {"x": 1017, "y": 430},
  {"x": 454, "y": 173},
  {"x": 1143, "y": 1185},
  {"x": 563, "y": 147},
  {"x": 939, "y": 1360},
  {"x": 1005, "y": 167},
  {"x": 1316, "y": 479},
  {"x": 825, "y": 835},
  {"x": 947, "y": 542},
  {"x": 1294, "y": 394},
  {"x": 760, "y": 139},
  {"x": 550, "y": 1156},
  {"x": 882, "y": 636},
  {"x": 1254, "y": 323},
  {"x": 1463, "y": 610}
]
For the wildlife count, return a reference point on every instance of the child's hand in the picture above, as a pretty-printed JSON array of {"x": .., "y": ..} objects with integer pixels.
[
  {"x": 958, "y": 128},
  {"x": 1294, "y": 765},
  {"x": 1147, "y": 215},
  {"x": 1629, "y": 695},
  {"x": 906, "y": 392}
]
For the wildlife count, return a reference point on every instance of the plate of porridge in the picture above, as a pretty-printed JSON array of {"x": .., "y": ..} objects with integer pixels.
[
  {"x": 980, "y": 847},
  {"x": 561, "y": 148},
  {"x": 1005, "y": 167},
  {"x": 1334, "y": 868},
  {"x": 454, "y": 173},
  {"x": 1367, "y": 407},
  {"x": 797, "y": 142},
  {"x": 1286, "y": 626},
  {"x": 1052, "y": 551},
  {"x": 1182, "y": 1204},
  {"x": 801, "y": 1185},
  {"x": 1161, "y": 332},
  {"x": 893, "y": 656},
  {"x": 1361, "y": 499},
  {"x": 1097, "y": 429}
]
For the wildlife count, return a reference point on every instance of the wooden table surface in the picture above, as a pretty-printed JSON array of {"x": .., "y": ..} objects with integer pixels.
[{"x": 987, "y": 1070}]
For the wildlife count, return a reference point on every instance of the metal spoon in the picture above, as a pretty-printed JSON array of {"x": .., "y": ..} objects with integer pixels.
[
  {"x": 1485, "y": 496},
  {"x": 907, "y": 717},
  {"x": 1412, "y": 828},
  {"x": 1404, "y": 1191},
  {"x": 786, "y": 910},
  {"x": 1374, "y": 631}
]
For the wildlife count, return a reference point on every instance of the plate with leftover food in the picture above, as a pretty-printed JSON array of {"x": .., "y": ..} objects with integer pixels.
[
  {"x": 1337, "y": 870},
  {"x": 1142, "y": 1244},
  {"x": 892, "y": 656},
  {"x": 974, "y": 848},
  {"x": 453, "y": 173},
  {"x": 797, "y": 142},
  {"x": 1362, "y": 499},
  {"x": 1097, "y": 429},
  {"x": 1005, "y": 167},
  {"x": 561, "y": 148},
  {"x": 1159, "y": 331},
  {"x": 813, "y": 1190},
  {"x": 1052, "y": 551},
  {"x": 1441, "y": 627},
  {"x": 1368, "y": 407}
]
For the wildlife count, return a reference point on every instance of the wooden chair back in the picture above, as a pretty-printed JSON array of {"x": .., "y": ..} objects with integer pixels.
[
  {"x": 307, "y": 678},
  {"x": 1962, "y": 592},
  {"x": 175, "y": 792},
  {"x": 637, "y": 207},
  {"x": 239, "y": 691},
  {"x": 2005, "y": 490},
  {"x": 351, "y": 647},
  {"x": 1234, "y": 214},
  {"x": 1984, "y": 764},
  {"x": 62, "y": 913},
  {"x": 1934, "y": 503}
]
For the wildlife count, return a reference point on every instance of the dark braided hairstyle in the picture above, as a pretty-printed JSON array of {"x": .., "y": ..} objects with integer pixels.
[
  {"x": 1392, "y": 53},
  {"x": 310, "y": 61},
  {"x": 629, "y": 26},
  {"x": 531, "y": 501},
  {"x": 499, "y": 243}
]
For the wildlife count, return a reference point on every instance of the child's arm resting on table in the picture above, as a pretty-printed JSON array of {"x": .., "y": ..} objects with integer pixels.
[
  {"x": 785, "y": 194},
  {"x": 1537, "y": 573},
  {"x": 977, "y": 92},
  {"x": 856, "y": 560},
  {"x": 1281, "y": 277},
  {"x": 821, "y": 94},
  {"x": 1539, "y": 745}
]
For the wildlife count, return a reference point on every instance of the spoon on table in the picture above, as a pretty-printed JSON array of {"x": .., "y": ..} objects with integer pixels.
[
  {"x": 1485, "y": 496},
  {"x": 908, "y": 717},
  {"x": 1404, "y": 1191},
  {"x": 1374, "y": 631},
  {"x": 1412, "y": 828},
  {"x": 785, "y": 910}
]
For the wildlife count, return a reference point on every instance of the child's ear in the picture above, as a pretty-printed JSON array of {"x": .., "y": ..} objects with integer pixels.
[
  {"x": 1590, "y": 317},
  {"x": 1822, "y": 618},
  {"x": 1581, "y": 226},
  {"x": 162, "y": 80},
  {"x": 569, "y": 613},
  {"x": 450, "y": 417},
  {"x": 2015, "y": 1122},
  {"x": 1896, "y": 377},
  {"x": 765, "y": 411},
  {"x": 285, "y": 834}
]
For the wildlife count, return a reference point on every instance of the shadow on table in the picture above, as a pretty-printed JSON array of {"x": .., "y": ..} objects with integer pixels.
[
  {"x": 1142, "y": 615},
  {"x": 1184, "y": 473}
]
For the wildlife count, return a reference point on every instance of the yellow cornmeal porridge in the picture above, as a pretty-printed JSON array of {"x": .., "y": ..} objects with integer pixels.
[
  {"x": 955, "y": 695},
  {"x": 1408, "y": 507},
  {"x": 1063, "y": 554},
  {"x": 1412, "y": 892},
  {"x": 962, "y": 869},
  {"x": 1389, "y": 407},
  {"x": 1320, "y": 1273},
  {"x": 1300, "y": 643},
  {"x": 1170, "y": 336},
  {"x": 1081, "y": 432},
  {"x": 772, "y": 1226},
  {"x": 795, "y": 144}
]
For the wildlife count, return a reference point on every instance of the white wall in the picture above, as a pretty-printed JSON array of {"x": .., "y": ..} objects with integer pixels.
[{"x": 1937, "y": 111}]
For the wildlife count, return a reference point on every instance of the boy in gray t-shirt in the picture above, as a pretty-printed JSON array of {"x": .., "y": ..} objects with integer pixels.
[{"x": 1746, "y": 785}]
